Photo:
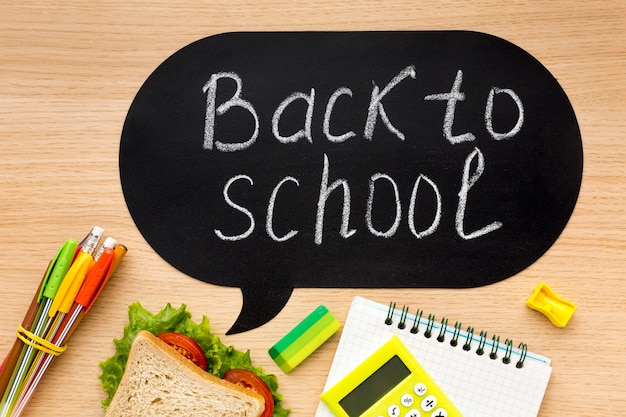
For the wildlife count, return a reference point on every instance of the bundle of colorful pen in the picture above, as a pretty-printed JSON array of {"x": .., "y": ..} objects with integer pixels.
[{"x": 74, "y": 279}]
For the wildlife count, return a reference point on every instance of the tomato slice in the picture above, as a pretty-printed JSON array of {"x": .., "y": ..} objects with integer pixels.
[
  {"x": 186, "y": 346},
  {"x": 249, "y": 379}
]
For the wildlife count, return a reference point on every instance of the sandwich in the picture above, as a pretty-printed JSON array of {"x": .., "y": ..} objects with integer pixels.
[
  {"x": 168, "y": 365},
  {"x": 159, "y": 381}
]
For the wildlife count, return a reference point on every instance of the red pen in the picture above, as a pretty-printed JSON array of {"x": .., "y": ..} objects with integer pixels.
[{"x": 94, "y": 282}]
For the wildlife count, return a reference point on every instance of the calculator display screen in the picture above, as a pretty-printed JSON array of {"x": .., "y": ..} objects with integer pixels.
[{"x": 379, "y": 383}]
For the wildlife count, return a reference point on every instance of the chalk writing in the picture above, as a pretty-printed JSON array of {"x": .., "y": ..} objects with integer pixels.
[
  {"x": 466, "y": 184},
  {"x": 325, "y": 191},
  {"x": 329, "y": 110},
  {"x": 304, "y": 132},
  {"x": 370, "y": 203},
  {"x": 469, "y": 179},
  {"x": 210, "y": 89},
  {"x": 375, "y": 111},
  {"x": 451, "y": 98},
  {"x": 269, "y": 221},
  {"x": 375, "y": 108},
  {"x": 489, "y": 114},
  {"x": 237, "y": 207},
  {"x": 437, "y": 218}
]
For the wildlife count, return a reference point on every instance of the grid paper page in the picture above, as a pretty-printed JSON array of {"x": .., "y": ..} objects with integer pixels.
[{"x": 477, "y": 385}]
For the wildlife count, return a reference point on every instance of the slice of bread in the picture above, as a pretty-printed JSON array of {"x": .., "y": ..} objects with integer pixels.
[{"x": 159, "y": 381}]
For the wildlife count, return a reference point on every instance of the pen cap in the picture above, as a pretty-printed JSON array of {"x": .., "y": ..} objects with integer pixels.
[
  {"x": 70, "y": 286},
  {"x": 96, "y": 278},
  {"x": 57, "y": 269},
  {"x": 120, "y": 252}
]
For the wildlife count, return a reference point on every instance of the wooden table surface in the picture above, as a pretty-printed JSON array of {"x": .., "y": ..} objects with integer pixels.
[{"x": 69, "y": 71}]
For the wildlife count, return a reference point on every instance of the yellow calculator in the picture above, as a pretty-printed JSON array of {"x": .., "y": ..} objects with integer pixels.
[{"x": 389, "y": 383}]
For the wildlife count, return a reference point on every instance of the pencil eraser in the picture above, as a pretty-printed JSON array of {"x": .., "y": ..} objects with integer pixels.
[
  {"x": 304, "y": 339},
  {"x": 109, "y": 242}
]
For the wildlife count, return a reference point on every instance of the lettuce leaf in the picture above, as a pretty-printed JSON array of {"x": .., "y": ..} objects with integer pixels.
[{"x": 220, "y": 358}]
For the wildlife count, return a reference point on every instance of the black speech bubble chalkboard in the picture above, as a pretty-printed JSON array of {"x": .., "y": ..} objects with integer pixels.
[{"x": 272, "y": 161}]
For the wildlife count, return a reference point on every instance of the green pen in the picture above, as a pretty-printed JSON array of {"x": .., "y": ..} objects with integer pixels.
[{"x": 59, "y": 266}]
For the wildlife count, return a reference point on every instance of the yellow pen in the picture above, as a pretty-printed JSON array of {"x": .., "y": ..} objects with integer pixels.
[
  {"x": 74, "y": 278},
  {"x": 71, "y": 284}
]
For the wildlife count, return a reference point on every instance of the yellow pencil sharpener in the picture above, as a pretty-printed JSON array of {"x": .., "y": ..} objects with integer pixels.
[{"x": 558, "y": 310}]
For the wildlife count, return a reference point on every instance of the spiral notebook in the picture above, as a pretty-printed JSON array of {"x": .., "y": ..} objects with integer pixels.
[{"x": 483, "y": 375}]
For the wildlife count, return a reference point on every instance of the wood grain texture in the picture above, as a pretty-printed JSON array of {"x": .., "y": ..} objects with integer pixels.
[{"x": 69, "y": 71}]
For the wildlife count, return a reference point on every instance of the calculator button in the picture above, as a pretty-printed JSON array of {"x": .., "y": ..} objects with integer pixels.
[
  {"x": 407, "y": 400},
  {"x": 419, "y": 389},
  {"x": 440, "y": 412},
  {"x": 412, "y": 413},
  {"x": 429, "y": 403},
  {"x": 393, "y": 411}
]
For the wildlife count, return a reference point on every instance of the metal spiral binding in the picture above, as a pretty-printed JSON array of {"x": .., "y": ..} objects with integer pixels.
[
  {"x": 442, "y": 332},
  {"x": 524, "y": 349},
  {"x": 389, "y": 320},
  {"x": 429, "y": 326},
  {"x": 416, "y": 321},
  {"x": 402, "y": 324},
  {"x": 456, "y": 334},
  {"x": 481, "y": 343},
  {"x": 508, "y": 351},
  {"x": 468, "y": 339},
  {"x": 495, "y": 344}
]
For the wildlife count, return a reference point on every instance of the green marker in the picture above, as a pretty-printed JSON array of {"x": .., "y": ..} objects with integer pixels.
[{"x": 304, "y": 339}]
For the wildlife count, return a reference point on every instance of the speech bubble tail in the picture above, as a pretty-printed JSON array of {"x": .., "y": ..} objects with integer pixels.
[{"x": 260, "y": 307}]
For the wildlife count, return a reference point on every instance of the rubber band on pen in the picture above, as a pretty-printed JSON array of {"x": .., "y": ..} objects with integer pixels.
[{"x": 39, "y": 343}]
